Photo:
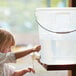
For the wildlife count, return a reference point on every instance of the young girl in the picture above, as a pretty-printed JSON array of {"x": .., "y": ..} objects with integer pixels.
[{"x": 6, "y": 56}]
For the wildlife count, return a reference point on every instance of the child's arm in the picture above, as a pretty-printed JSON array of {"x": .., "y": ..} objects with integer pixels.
[{"x": 26, "y": 52}]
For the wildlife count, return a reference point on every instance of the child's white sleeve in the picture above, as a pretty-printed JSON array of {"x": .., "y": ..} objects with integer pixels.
[
  {"x": 7, "y": 58},
  {"x": 8, "y": 70}
]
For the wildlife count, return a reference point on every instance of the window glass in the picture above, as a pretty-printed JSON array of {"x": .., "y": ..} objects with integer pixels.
[{"x": 18, "y": 15}]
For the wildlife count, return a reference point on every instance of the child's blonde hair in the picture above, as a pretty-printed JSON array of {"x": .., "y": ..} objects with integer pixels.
[{"x": 6, "y": 38}]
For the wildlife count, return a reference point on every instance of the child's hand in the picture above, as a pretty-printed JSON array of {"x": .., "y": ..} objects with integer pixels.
[
  {"x": 37, "y": 48},
  {"x": 31, "y": 70},
  {"x": 24, "y": 71}
]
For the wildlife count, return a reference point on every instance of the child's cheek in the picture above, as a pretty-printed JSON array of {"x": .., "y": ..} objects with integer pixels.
[{"x": 6, "y": 51}]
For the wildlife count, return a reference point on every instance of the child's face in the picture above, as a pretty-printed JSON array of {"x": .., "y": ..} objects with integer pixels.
[{"x": 7, "y": 49}]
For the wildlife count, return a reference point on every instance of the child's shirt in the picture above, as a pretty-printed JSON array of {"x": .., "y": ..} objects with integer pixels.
[
  {"x": 6, "y": 58},
  {"x": 8, "y": 70}
]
